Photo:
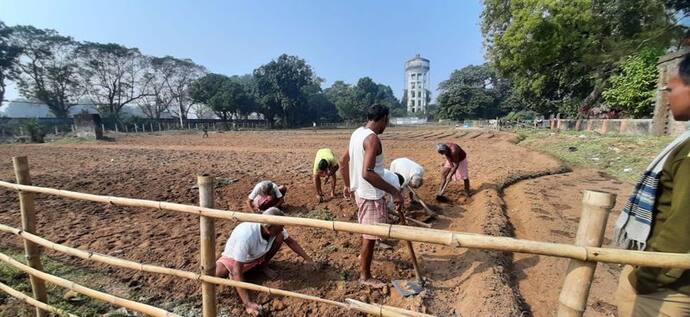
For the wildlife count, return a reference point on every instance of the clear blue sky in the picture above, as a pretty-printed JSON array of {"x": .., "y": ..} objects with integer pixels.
[{"x": 342, "y": 40}]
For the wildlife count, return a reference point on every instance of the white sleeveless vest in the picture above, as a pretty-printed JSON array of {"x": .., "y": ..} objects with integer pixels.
[{"x": 361, "y": 187}]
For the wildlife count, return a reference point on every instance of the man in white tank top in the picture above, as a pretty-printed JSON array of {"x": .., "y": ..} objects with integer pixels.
[{"x": 362, "y": 171}]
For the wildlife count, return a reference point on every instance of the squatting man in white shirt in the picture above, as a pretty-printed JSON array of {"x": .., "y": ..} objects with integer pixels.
[{"x": 251, "y": 246}]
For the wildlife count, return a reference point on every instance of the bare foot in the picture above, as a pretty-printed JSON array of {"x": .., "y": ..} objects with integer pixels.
[
  {"x": 372, "y": 282},
  {"x": 271, "y": 274}
]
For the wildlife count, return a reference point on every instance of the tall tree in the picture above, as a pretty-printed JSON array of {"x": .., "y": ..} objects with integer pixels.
[
  {"x": 223, "y": 95},
  {"x": 179, "y": 74},
  {"x": 633, "y": 90},
  {"x": 474, "y": 91},
  {"x": 250, "y": 104},
  {"x": 157, "y": 98},
  {"x": 228, "y": 99},
  {"x": 280, "y": 85},
  {"x": 113, "y": 76},
  {"x": 352, "y": 101},
  {"x": 342, "y": 95},
  {"x": 48, "y": 68},
  {"x": 9, "y": 59},
  {"x": 560, "y": 54}
]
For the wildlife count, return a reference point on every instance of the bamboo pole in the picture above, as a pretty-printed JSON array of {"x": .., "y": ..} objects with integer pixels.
[
  {"x": 419, "y": 223},
  {"x": 424, "y": 205},
  {"x": 596, "y": 207},
  {"x": 31, "y": 301},
  {"x": 208, "y": 245},
  {"x": 110, "y": 260},
  {"x": 410, "y": 249},
  {"x": 408, "y": 233},
  {"x": 382, "y": 310},
  {"x": 140, "y": 307},
  {"x": 28, "y": 214}
]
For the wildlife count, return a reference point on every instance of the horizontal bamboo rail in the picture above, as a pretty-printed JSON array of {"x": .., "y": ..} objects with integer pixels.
[
  {"x": 139, "y": 307},
  {"x": 114, "y": 261},
  {"x": 382, "y": 310},
  {"x": 408, "y": 233},
  {"x": 31, "y": 301}
]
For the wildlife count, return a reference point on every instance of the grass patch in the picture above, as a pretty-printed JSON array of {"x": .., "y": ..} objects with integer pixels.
[
  {"x": 85, "y": 306},
  {"x": 321, "y": 214},
  {"x": 622, "y": 156}
]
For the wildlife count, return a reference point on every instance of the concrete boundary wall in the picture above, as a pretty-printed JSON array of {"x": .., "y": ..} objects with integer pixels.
[{"x": 618, "y": 126}]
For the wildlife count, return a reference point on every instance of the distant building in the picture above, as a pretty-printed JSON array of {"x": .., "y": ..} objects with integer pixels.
[
  {"x": 417, "y": 84},
  {"x": 28, "y": 109}
]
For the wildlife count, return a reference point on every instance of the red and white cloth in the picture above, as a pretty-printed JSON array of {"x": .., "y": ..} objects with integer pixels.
[
  {"x": 371, "y": 212},
  {"x": 462, "y": 172},
  {"x": 229, "y": 262}
]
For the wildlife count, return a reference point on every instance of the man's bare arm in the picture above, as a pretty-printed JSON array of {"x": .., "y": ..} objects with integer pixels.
[
  {"x": 294, "y": 246},
  {"x": 372, "y": 148}
]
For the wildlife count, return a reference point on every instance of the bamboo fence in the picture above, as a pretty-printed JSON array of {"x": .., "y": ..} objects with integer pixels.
[
  {"x": 408, "y": 233},
  {"x": 31, "y": 301},
  {"x": 376, "y": 310},
  {"x": 28, "y": 215},
  {"x": 139, "y": 307}
]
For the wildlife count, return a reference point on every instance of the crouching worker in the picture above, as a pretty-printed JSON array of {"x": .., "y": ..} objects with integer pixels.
[
  {"x": 251, "y": 246},
  {"x": 266, "y": 194},
  {"x": 325, "y": 165},
  {"x": 412, "y": 173}
]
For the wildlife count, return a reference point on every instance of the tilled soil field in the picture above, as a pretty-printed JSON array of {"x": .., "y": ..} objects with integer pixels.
[{"x": 163, "y": 167}]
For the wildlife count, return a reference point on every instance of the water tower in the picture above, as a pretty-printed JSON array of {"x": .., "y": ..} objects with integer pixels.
[{"x": 417, "y": 84}]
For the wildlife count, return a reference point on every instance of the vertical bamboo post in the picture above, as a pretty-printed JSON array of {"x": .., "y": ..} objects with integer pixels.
[
  {"x": 208, "y": 244},
  {"x": 596, "y": 207},
  {"x": 33, "y": 253}
]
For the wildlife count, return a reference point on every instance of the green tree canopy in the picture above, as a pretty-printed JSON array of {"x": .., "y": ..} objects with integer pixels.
[
  {"x": 352, "y": 101},
  {"x": 9, "y": 59},
  {"x": 280, "y": 87},
  {"x": 475, "y": 91},
  {"x": 49, "y": 72},
  {"x": 112, "y": 75},
  {"x": 560, "y": 54},
  {"x": 633, "y": 90}
]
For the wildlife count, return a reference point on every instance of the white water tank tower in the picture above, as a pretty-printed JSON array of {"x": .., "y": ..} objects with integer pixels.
[{"x": 417, "y": 84}]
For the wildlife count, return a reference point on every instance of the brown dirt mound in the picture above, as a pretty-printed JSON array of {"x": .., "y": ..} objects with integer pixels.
[{"x": 548, "y": 209}]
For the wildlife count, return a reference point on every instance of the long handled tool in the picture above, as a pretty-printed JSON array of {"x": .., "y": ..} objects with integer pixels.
[
  {"x": 440, "y": 192},
  {"x": 424, "y": 205},
  {"x": 408, "y": 288}
]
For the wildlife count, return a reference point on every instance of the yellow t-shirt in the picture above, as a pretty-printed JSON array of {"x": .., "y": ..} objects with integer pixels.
[{"x": 324, "y": 154}]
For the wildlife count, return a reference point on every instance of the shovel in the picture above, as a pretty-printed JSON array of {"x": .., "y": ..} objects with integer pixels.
[
  {"x": 408, "y": 287},
  {"x": 424, "y": 205},
  {"x": 439, "y": 195}
]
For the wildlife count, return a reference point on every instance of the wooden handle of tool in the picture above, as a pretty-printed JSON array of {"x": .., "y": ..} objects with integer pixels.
[{"x": 417, "y": 271}]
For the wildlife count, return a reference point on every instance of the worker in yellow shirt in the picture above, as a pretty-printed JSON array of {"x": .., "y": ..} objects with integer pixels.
[{"x": 325, "y": 165}]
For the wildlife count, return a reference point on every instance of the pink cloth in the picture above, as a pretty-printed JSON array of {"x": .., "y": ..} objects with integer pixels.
[
  {"x": 228, "y": 262},
  {"x": 461, "y": 173},
  {"x": 371, "y": 212},
  {"x": 263, "y": 202}
]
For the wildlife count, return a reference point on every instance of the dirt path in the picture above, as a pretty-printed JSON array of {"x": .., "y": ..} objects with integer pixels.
[
  {"x": 548, "y": 209},
  {"x": 463, "y": 282}
]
